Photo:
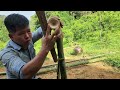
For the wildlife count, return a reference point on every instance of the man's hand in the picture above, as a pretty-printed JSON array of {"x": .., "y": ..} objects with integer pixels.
[{"x": 48, "y": 41}]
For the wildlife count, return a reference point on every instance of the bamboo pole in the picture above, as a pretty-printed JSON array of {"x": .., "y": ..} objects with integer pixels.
[
  {"x": 43, "y": 23},
  {"x": 61, "y": 73},
  {"x": 61, "y": 60}
]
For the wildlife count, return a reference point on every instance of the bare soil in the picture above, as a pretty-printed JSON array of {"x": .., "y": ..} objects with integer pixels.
[{"x": 97, "y": 70}]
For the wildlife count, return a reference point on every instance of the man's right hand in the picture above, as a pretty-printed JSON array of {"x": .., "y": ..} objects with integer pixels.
[{"x": 48, "y": 41}]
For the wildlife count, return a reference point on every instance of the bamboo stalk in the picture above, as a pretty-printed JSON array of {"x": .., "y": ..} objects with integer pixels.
[
  {"x": 58, "y": 71},
  {"x": 43, "y": 23},
  {"x": 61, "y": 60}
]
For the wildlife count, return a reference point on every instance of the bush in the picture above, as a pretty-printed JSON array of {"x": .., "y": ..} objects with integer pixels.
[{"x": 113, "y": 60}]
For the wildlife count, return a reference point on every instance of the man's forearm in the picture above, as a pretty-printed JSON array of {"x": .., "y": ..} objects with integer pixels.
[{"x": 32, "y": 67}]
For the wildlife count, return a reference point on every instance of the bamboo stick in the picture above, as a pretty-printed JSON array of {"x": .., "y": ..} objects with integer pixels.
[
  {"x": 61, "y": 59},
  {"x": 43, "y": 23}
]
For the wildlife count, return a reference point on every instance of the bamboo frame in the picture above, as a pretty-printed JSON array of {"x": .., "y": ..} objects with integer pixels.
[
  {"x": 43, "y": 23},
  {"x": 61, "y": 71}
]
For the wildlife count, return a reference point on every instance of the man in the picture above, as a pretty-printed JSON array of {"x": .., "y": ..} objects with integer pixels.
[{"x": 19, "y": 55}]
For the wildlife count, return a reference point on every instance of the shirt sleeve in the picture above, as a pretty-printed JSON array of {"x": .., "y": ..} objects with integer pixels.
[
  {"x": 37, "y": 34},
  {"x": 13, "y": 63}
]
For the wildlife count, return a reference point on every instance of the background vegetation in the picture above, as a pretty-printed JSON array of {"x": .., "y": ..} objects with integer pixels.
[{"x": 97, "y": 32}]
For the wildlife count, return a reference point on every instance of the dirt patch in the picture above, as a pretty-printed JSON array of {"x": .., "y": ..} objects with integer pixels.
[
  {"x": 98, "y": 70},
  {"x": 2, "y": 69}
]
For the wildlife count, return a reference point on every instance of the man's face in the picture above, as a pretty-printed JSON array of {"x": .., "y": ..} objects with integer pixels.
[{"x": 22, "y": 37}]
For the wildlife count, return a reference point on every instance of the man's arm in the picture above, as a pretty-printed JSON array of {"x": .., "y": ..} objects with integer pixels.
[
  {"x": 12, "y": 62},
  {"x": 32, "y": 67},
  {"x": 37, "y": 34}
]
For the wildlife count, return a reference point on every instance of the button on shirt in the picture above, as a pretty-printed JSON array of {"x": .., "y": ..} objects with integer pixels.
[{"x": 14, "y": 57}]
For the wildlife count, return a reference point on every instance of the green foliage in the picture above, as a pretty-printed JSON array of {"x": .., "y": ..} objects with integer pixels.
[
  {"x": 97, "y": 32},
  {"x": 98, "y": 29},
  {"x": 78, "y": 14},
  {"x": 3, "y": 31},
  {"x": 113, "y": 60},
  {"x": 34, "y": 22},
  {"x": 37, "y": 46}
]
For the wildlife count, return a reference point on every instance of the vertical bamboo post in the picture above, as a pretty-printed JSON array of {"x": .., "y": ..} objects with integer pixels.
[
  {"x": 43, "y": 23},
  {"x": 61, "y": 71},
  {"x": 61, "y": 60}
]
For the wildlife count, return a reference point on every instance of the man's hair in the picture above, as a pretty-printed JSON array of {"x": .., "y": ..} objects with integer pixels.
[{"x": 14, "y": 21}]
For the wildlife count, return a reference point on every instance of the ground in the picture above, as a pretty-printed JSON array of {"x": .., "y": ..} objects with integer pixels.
[{"x": 97, "y": 70}]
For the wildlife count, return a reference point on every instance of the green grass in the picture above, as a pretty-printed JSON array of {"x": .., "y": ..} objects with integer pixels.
[{"x": 113, "y": 60}]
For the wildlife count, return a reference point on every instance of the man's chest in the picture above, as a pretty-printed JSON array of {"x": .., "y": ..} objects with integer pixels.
[{"x": 27, "y": 55}]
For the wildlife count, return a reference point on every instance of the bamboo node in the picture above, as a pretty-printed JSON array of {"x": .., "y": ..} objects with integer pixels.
[{"x": 60, "y": 58}]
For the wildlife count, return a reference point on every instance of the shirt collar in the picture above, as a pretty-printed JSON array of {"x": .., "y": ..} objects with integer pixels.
[{"x": 14, "y": 45}]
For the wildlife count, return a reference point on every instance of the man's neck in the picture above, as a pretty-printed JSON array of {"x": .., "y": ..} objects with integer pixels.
[{"x": 22, "y": 47}]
